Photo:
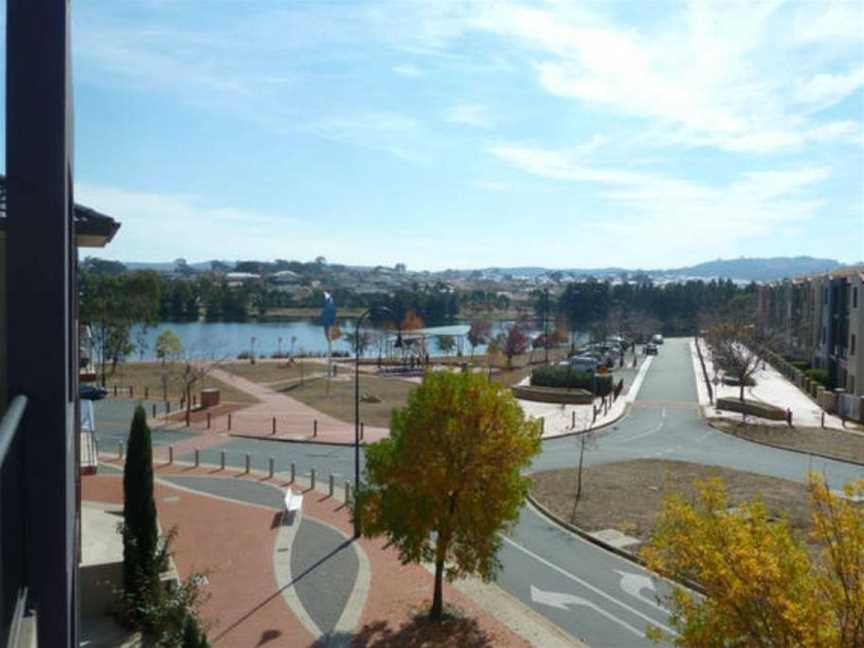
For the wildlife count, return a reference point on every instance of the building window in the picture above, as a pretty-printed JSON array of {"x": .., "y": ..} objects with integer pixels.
[
  {"x": 851, "y": 385},
  {"x": 852, "y": 344},
  {"x": 855, "y": 297}
]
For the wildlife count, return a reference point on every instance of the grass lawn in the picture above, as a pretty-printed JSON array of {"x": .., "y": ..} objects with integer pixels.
[
  {"x": 272, "y": 371},
  {"x": 628, "y": 496},
  {"x": 339, "y": 403},
  {"x": 834, "y": 443},
  {"x": 149, "y": 374}
]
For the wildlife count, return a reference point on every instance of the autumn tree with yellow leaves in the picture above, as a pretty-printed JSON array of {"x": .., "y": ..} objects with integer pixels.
[
  {"x": 449, "y": 480},
  {"x": 763, "y": 588}
]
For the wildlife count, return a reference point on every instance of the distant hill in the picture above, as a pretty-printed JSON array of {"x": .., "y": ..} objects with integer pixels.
[
  {"x": 767, "y": 269},
  {"x": 742, "y": 269}
]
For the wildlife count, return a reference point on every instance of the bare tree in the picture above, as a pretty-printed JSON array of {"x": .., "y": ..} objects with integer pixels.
[
  {"x": 734, "y": 349},
  {"x": 191, "y": 374},
  {"x": 586, "y": 440}
]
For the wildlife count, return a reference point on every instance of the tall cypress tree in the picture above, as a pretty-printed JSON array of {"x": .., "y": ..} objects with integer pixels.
[{"x": 140, "y": 534}]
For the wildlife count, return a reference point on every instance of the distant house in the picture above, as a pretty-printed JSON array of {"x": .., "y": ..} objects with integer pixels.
[
  {"x": 284, "y": 277},
  {"x": 236, "y": 279}
]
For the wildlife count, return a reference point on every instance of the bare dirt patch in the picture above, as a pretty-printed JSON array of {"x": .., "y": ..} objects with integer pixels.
[
  {"x": 628, "y": 496},
  {"x": 846, "y": 446}
]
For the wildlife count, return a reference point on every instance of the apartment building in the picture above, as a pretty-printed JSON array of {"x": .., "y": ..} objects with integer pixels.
[{"x": 819, "y": 319}]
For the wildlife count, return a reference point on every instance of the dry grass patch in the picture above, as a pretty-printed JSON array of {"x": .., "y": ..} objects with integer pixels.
[
  {"x": 846, "y": 446},
  {"x": 628, "y": 495},
  {"x": 141, "y": 375},
  {"x": 378, "y": 397},
  {"x": 273, "y": 371}
]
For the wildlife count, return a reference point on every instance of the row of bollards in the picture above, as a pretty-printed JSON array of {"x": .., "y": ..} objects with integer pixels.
[{"x": 271, "y": 468}]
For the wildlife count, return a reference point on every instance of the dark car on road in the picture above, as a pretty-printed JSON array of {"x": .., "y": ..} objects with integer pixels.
[
  {"x": 92, "y": 392},
  {"x": 651, "y": 349}
]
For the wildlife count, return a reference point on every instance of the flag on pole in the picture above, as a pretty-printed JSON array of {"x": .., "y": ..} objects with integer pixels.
[{"x": 328, "y": 314}]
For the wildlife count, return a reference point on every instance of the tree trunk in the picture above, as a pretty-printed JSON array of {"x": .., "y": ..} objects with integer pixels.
[
  {"x": 437, "y": 610},
  {"x": 741, "y": 380}
]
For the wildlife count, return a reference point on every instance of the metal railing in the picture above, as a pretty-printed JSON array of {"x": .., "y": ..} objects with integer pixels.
[{"x": 13, "y": 588}]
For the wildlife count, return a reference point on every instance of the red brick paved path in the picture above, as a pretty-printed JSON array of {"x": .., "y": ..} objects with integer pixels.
[{"x": 235, "y": 542}]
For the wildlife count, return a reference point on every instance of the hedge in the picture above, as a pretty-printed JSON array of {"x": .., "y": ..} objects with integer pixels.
[
  {"x": 818, "y": 375},
  {"x": 553, "y": 395},
  {"x": 754, "y": 408},
  {"x": 565, "y": 377}
]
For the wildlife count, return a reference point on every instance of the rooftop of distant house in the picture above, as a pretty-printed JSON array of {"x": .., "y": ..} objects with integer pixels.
[{"x": 92, "y": 228}]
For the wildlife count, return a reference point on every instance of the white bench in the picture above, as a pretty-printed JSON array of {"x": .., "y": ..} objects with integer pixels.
[{"x": 293, "y": 502}]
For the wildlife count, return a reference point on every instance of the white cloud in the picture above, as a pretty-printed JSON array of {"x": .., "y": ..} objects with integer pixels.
[
  {"x": 710, "y": 77},
  {"x": 408, "y": 70},
  {"x": 672, "y": 214},
  {"x": 827, "y": 89},
  {"x": 474, "y": 115}
]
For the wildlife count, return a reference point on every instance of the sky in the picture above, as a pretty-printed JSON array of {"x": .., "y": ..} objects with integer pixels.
[{"x": 455, "y": 134}]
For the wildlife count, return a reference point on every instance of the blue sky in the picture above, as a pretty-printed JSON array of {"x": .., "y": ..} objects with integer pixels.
[{"x": 450, "y": 134}]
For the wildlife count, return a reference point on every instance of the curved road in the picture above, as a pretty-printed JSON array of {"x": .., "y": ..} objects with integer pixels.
[{"x": 595, "y": 595}]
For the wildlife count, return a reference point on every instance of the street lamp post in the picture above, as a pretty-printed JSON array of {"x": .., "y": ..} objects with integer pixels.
[
  {"x": 546, "y": 325},
  {"x": 357, "y": 325}
]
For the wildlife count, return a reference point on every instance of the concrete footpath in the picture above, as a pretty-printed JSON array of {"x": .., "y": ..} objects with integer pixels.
[{"x": 302, "y": 581}]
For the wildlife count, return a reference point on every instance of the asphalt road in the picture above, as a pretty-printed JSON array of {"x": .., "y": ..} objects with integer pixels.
[
  {"x": 595, "y": 599},
  {"x": 592, "y": 594}
]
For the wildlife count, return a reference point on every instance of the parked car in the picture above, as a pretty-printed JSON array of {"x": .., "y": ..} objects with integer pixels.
[
  {"x": 92, "y": 392},
  {"x": 657, "y": 339},
  {"x": 583, "y": 363},
  {"x": 650, "y": 349}
]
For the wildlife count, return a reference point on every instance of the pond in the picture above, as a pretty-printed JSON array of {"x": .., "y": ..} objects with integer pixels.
[{"x": 228, "y": 339}]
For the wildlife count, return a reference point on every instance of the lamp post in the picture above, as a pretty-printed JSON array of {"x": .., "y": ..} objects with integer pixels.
[
  {"x": 546, "y": 325},
  {"x": 357, "y": 325}
]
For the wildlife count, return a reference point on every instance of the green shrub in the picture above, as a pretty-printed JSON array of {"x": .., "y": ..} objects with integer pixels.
[
  {"x": 801, "y": 365},
  {"x": 565, "y": 377},
  {"x": 818, "y": 375},
  {"x": 140, "y": 532}
]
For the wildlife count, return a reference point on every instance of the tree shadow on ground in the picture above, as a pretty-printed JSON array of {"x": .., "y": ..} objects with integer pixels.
[{"x": 418, "y": 632}]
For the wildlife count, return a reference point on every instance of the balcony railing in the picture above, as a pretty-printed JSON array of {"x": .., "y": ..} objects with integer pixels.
[{"x": 13, "y": 529}]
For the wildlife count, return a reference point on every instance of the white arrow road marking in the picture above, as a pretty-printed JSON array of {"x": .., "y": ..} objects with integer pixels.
[
  {"x": 560, "y": 600},
  {"x": 587, "y": 585},
  {"x": 633, "y": 584}
]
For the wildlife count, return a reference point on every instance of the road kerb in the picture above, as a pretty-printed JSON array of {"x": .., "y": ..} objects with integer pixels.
[
  {"x": 808, "y": 453},
  {"x": 621, "y": 553}
]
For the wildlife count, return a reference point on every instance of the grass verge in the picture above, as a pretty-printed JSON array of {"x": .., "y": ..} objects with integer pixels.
[
  {"x": 273, "y": 371},
  {"x": 378, "y": 397},
  {"x": 845, "y": 446},
  {"x": 628, "y": 496},
  {"x": 141, "y": 375}
]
